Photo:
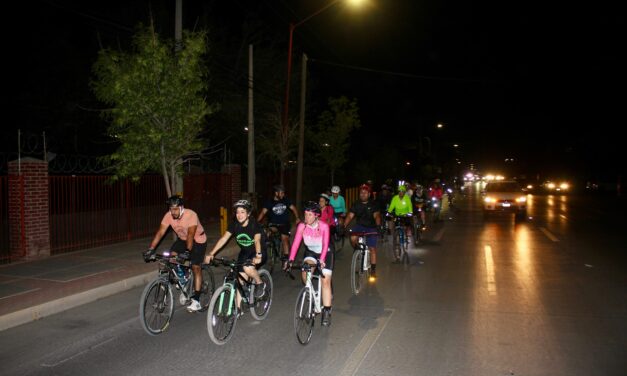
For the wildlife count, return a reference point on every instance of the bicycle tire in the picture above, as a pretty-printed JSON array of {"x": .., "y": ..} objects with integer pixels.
[
  {"x": 303, "y": 316},
  {"x": 358, "y": 275},
  {"x": 220, "y": 322},
  {"x": 156, "y": 307},
  {"x": 260, "y": 309},
  {"x": 207, "y": 288}
]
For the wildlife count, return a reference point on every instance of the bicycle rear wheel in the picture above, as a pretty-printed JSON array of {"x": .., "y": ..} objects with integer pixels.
[
  {"x": 260, "y": 309},
  {"x": 156, "y": 307},
  {"x": 207, "y": 288},
  {"x": 270, "y": 261},
  {"x": 222, "y": 315},
  {"x": 303, "y": 316},
  {"x": 358, "y": 275}
]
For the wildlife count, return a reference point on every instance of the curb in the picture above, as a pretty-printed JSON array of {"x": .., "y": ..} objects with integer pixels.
[{"x": 40, "y": 311}]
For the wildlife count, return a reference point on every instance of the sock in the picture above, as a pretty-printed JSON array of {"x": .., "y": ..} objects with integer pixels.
[
  {"x": 373, "y": 267},
  {"x": 327, "y": 308},
  {"x": 196, "y": 295}
]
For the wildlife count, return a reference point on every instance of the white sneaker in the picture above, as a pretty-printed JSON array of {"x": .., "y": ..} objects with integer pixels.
[{"x": 194, "y": 306}]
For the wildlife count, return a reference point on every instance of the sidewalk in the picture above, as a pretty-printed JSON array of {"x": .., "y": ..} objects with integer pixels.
[{"x": 33, "y": 290}]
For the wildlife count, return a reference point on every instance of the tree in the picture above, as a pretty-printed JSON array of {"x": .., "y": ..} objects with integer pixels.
[
  {"x": 277, "y": 143},
  {"x": 331, "y": 136},
  {"x": 158, "y": 108}
]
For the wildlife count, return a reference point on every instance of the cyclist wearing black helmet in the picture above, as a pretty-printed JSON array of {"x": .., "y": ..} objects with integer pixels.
[
  {"x": 190, "y": 237},
  {"x": 316, "y": 234},
  {"x": 248, "y": 234},
  {"x": 278, "y": 214}
]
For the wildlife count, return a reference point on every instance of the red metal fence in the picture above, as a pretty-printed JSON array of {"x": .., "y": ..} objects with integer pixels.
[
  {"x": 4, "y": 218},
  {"x": 87, "y": 211}
]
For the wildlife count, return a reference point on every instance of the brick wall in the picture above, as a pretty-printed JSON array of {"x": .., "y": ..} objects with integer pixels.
[
  {"x": 235, "y": 172},
  {"x": 28, "y": 208}
]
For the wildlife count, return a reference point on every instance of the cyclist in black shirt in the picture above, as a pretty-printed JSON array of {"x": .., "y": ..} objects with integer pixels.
[{"x": 277, "y": 210}]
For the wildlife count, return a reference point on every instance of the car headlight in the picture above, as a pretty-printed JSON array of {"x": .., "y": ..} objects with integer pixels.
[
  {"x": 551, "y": 185},
  {"x": 564, "y": 186},
  {"x": 489, "y": 200},
  {"x": 521, "y": 199}
]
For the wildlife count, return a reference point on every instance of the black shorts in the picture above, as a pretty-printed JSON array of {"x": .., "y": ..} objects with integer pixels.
[
  {"x": 197, "y": 254},
  {"x": 249, "y": 255},
  {"x": 328, "y": 262},
  {"x": 284, "y": 228}
]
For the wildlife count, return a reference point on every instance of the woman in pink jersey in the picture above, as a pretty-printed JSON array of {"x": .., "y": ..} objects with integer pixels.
[{"x": 315, "y": 233}]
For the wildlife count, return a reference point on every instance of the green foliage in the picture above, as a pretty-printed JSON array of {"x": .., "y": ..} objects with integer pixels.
[
  {"x": 157, "y": 103},
  {"x": 331, "y": 137}
]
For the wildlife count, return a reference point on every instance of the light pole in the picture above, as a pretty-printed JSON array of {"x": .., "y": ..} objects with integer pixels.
[{"x": 286, "y": 107}]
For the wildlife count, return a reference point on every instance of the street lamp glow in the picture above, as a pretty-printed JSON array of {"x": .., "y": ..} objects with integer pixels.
[
  {"x": 440, "y": 125},
  {"x": 455, "y": 145}
]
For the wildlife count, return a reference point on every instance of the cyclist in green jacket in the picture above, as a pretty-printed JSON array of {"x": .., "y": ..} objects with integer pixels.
[{"x": 401, "y": 206}]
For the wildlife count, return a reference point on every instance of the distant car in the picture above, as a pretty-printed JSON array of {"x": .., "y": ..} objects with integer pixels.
[
  {"x": 505, "y": 196},
  {"x": 561, "y": 186}
]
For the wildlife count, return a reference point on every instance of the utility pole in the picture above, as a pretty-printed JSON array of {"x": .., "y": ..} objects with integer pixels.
[
  {"x": 178, "y": 45},
  {"x": 251, "y": 128},
  {"x": 301, "y": 139}
]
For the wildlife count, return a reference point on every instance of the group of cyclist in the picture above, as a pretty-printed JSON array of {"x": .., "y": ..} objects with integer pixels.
[{"x": 321, "y": 219}]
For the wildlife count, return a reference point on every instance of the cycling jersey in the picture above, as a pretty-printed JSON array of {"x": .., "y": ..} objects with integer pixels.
[
  {"x": 400, "y": 206},
  {"x": 339, "y": 205},
  {"x": 316, "y": 238}
]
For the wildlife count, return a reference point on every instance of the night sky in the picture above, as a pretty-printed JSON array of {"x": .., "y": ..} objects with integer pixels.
[{"x": 539, "y": 83}]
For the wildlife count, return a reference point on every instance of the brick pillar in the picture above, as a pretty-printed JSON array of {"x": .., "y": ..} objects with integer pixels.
[
  {"x": 28, "y": 208},
  {"x": 235, "y": 173}
]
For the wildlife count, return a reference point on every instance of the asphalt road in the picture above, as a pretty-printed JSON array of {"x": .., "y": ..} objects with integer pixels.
[{"x": 545, "y": 296}]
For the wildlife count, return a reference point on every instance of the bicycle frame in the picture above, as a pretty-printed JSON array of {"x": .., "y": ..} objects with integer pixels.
[
  {"x": 233, "y": 280},
  {"x": 316, "y": 293}
]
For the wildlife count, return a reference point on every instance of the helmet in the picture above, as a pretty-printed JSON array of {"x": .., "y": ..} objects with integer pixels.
[
  {"x": 335, "y": 189},
  {"x": 418, "y": 187},
  {"x": 279, "y": 188},
  {"x": 364, "y": 187},
  {"x": 243, "y": 204},
  {"x": 175, "y": 200},
  {"x": 402, "y": 188},
  {"x": 436, "y": 181},
  {"x": 313, "y": 207},
  {"x": 385, "y": 187},
  {"x": 325, "y": 196}
]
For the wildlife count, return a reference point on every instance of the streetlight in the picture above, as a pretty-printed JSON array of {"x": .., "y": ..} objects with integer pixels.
[{"x": 293, "y": 26}]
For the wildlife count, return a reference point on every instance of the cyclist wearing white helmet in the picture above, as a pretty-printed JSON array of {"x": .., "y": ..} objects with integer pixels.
[
  {"x": 248, "y": 235},
  {"x": 339, "y": 205}
]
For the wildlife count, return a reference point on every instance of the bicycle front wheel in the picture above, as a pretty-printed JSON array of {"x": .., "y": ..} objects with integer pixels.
[
  {"x": 358, "y": 275},
  {"x": 260, "y": 309},
  {"x": 156, "y": 307},
  {"x": 303, "y": 316},
  {"x": 207, "y": 288},
  {"x": 222, "y": 315}
]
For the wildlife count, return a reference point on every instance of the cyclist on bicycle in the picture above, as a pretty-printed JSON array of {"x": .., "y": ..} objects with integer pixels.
[
  {"x": 326, "y": 211},
  {"x": 368, "y": 220},
  {"x": 315, "y": 234},
  {"x": 435, "y": 196},
  {"x": 190, "y": 238},
  {"x": 419, "y": 200},
  {"x": 339, "y": 205},
  {"x": 401, "y": 206},
  {"x": 248, "y": 235},
  {"x": 277, "y": 209}
]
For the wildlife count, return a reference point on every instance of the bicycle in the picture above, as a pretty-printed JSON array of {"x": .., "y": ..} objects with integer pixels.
[
  {"x": 308, "y": 303},
  {"x": 360, "y": 264},
  {"x": 338, "y": 234},
  {"x": 418, "y": 226},
  {"x": 401, "y": 240},
  {"x": 156, "y": 305},
  {"x": 273, "y": 246},
  {"x": 223, "y": 310}
]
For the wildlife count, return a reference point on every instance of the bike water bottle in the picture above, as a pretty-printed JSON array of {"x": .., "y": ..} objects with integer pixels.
[{"x": 181, "y": 273}]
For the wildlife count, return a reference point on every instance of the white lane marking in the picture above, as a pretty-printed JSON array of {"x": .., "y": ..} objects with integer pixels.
[
  {"x": 489, "y": 265},
  {"x": 438, "y": 236},
  {"x": 20, "y": 293},
  {"x": 365, "y": 345},
  {"x": 549, "y": 235}
]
